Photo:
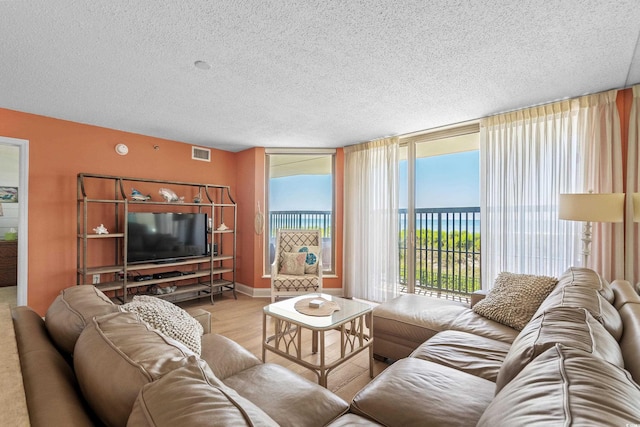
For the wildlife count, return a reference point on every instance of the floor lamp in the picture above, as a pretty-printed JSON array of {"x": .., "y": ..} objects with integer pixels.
[{"x": 591, "y": 207}]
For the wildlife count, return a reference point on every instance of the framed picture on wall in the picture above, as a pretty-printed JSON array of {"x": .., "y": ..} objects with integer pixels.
[{"x": 8, "y": 194}]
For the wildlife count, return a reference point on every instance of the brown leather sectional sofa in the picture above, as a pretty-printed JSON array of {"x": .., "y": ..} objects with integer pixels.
[
  {"x": 90, "y": 364},
  {"x": 575, "y": 363}
]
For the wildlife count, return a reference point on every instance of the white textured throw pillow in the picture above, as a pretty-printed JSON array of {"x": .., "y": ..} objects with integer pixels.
[
  {"x": 514, "y": 298},
  {"x": 169, "y": 319}
]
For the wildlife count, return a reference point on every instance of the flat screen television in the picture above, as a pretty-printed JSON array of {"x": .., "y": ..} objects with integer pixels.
[{"x": 165, "y": 236}]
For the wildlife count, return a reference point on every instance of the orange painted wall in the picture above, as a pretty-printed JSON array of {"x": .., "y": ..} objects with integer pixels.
[
  {"x": 58, "y": 151},
  {"x": 250, "y": 165}
]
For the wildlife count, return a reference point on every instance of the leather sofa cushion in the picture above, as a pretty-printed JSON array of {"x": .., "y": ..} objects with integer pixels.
[
  {"x": 288, "y": 398},
  {"x": 353, "y": 420},
  {"x": 624, "y": 293},
  {"x": 70, "y": 312},
  {"x": 50, "y": 386},
  {"x": 415, "y": 392},
  {"x": 572, "y": 327},
  {"x": 586, "y": 278},
  {"x": 192, "y": 396},
  {"x": 115, "y": 356},
  {"x": 411, "y": 320},
  {"x": 566, "y": 386},
  {"x": 226, "y": 357},
  {"x": 588, "y": 298},
  {"x": 630, "y": 341},
  {"x": 473, "y": 323},
  {"x": 473, "y": 354}
]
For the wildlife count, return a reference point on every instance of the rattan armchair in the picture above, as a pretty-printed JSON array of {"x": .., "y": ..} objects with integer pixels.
[{"x": 286, "y": 278}]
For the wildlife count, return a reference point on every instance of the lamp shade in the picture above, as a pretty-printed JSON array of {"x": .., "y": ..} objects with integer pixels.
[
  {"x": 594, "y": 207},
  {"x": 636, "y": 207}
]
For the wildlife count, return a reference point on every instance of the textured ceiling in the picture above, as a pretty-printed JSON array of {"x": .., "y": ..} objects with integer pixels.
[{"x": 306, "y": 73}]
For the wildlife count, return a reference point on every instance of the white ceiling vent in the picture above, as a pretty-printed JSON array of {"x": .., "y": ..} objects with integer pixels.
[{"x": 199, "y": 153}]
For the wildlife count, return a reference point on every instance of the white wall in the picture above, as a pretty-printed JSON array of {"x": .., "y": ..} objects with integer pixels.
[{"x": 9, "y": 176}]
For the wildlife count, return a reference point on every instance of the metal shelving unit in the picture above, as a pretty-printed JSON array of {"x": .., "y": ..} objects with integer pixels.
[{"x": 102, "y": 199}]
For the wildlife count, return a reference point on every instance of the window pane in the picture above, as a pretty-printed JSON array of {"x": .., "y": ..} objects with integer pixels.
[
  {"x": 447, "y": 215},
  {"x": 300, "y": 195}
]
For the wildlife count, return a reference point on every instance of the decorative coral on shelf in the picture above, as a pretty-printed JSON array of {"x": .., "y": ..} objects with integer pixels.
[
  {"x": 101, "y": 229},
  {"x": 168, "y": 195}
]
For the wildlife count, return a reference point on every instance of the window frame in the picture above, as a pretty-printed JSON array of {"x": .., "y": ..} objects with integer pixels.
[
  {"x": 267, "y": 231},
  {"x": 410, "y": 143}
]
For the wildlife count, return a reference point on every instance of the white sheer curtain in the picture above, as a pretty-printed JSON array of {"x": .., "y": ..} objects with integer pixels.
[
  {"x": 528, "y": 158},
  {"x": 371, "y": 220},
  {"x": 601, "y": 145},
  {"x": 632, "y": 233}
]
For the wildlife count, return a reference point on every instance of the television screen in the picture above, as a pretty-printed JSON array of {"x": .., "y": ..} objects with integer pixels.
[{"x": 165, "y": 236}]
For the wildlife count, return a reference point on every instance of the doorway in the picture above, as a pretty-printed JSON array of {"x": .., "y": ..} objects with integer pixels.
[{"x": 18, "y": 211}]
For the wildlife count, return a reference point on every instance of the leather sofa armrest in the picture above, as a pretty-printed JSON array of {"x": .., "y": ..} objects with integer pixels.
[
  {"x": 623, "y": 293},
  {"x": 203, "y": 317},
  {"x": 478, "y": 296}
]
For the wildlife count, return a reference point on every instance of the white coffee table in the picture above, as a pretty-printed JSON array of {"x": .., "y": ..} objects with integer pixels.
[{"x": 350, "y": 321}]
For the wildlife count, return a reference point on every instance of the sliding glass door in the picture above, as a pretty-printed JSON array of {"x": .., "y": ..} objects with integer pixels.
[{"x": 440, "y": 214}]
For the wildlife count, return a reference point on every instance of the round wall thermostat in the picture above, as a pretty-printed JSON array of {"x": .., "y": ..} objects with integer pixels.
[{"x": 122, "y": 149}]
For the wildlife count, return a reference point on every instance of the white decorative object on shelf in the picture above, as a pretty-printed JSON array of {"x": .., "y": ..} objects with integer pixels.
[
  {"x": 168, "y": 195},
  {"x": 222, "y": 227},
  {"x": 101, "y": 229}
]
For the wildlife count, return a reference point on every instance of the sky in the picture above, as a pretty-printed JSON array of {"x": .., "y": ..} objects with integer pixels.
[
  {"x": 300, "y": 192},
  {"x": 450, "y": 180},
  {"x": 446, "y": 181}
]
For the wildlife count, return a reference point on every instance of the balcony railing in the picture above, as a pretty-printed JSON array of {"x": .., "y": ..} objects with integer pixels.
[
  {"x": 300, "y": 219},
  {"x": 447, "y": 250},
  {"x": 303, "y": 219},
  {"x": 447, "y": 242}
]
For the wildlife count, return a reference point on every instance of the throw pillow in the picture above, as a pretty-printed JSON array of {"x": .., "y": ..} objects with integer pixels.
[
  {"x": 515, "y": 298},
  {"x": 169, "y": 319},
  {"x": 293, "y": 263},
  {"x": 313, "y": 256}
]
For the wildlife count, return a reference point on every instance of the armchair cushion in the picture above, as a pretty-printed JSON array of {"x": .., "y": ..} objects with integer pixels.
[
  {"x": 293, "y": 263},
  {"x": 313, "y": 256},
  {"x": 305, "y": 283}
]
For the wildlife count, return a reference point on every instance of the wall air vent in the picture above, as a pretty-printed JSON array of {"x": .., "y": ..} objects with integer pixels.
[{"x": 199, "y": 153}]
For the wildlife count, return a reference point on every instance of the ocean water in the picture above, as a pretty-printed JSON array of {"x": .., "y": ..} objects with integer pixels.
[
  {"x": 448, "y": 225},
  {"x": 447, "y": 221}
]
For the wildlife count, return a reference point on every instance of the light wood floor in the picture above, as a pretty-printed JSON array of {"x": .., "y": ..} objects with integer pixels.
[
  {"x": 241, "y": 320},
  {"x": 8, "y": 295}
]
